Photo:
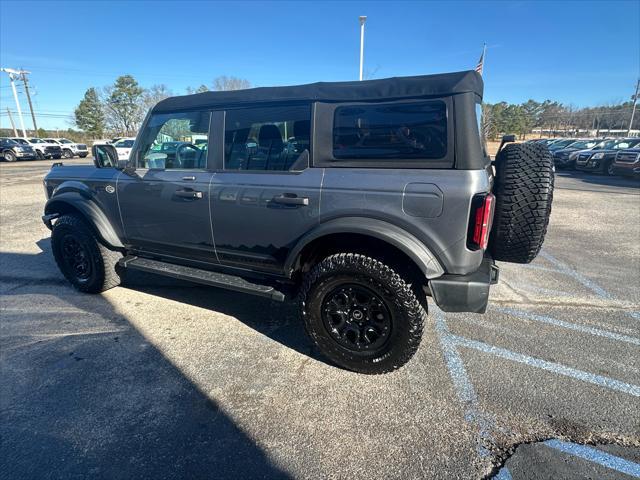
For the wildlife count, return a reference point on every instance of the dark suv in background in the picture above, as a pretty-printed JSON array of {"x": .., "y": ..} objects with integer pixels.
[
  {"x": 600, "y": 160},
  {"x": 566, "y": 157},
  {"x": 627, "y": 163},
  {"x": 10, "y": 150}
]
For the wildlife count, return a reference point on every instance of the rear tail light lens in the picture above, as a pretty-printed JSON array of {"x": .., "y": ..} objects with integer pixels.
[{"x": 480, "y": 221}]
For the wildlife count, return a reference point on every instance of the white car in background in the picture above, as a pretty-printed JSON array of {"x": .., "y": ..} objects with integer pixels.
[
  {"x": 123, "y": 147},
  {"x": 43, "y": 149},
  {"x": 69, "y": 148}
]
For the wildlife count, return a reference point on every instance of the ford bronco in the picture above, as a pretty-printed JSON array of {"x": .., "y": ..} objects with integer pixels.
[{"x": 360, "y": 199}]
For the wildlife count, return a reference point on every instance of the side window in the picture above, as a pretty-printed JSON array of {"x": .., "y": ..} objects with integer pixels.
[
  {"x": 175, "y": 141},
  {"x": 416, "y": 130},
  {"x": 269, "y": 138}
]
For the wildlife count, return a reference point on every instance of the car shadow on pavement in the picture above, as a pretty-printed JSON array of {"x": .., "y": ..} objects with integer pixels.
[{"x": 84, "y": 394}]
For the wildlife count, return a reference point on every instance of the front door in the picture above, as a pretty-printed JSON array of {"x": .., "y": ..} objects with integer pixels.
[
  {"x": 164, "y": 203},
  {"x": 265, "y": 197}
]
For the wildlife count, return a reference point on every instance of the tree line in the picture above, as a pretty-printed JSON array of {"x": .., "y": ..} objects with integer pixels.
[
  {"x": 120, "y": 108},
  {"x": 553, "y": 118}
]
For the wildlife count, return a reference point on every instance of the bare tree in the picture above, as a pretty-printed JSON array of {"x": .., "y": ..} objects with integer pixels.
[
  {"x": 230, "y": 83},
  {"x": 154, "y": 94}
]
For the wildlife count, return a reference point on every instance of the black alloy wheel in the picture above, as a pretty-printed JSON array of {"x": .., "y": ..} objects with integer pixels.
[
  {"x": 76, "y": 258},
  {"x": 356, "y": 318}
]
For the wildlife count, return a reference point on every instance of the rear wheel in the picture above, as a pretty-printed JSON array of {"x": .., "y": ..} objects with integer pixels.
[
  {"x": 85, "y": 262},
  {"x": 607, "y": 168},
  {"x": 361, "y": 314},
  {"x": 524, "y": 194},
  {"x": 67, "y": 153}
]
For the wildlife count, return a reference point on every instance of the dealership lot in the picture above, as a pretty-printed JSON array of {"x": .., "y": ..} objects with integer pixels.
[{"x": 164, "y": 379}]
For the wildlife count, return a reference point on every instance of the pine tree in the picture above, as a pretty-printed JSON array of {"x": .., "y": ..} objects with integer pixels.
[{"x": 90, "y": 115}]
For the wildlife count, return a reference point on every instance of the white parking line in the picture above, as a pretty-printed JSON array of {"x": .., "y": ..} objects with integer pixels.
[
  {"x": 599, "y": 380},
  {"x": 572, "y": 326},
  {"x": 596, "y": 456}
]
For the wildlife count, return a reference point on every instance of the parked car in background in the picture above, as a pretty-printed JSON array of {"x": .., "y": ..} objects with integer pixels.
[
  {"x": 123, "y": 147},
  {"x": 10, "y": 150},
  {"x": 601, "y": 160},
  {"x": 69, "y": 148},
  {"x": 627, "y": 163},
  {"x": 561, "y": 143},
  {"x": 43, "y": 149},
  {"x": 564, "y": 158}
]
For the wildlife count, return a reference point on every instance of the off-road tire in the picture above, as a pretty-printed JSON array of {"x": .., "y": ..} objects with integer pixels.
[
  {"x": 9, "y": 156},
  {"x": 66, "y": 153},
  {"x": 524, "y": 194},
  {"x": 407, "y": 313},
  {"x": 103, "y": 262}
]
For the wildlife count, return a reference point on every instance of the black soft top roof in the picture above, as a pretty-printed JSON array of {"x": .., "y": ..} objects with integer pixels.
[{"x": 355, "y": 91}]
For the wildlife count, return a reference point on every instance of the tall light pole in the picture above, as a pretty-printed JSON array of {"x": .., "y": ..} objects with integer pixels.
[
  {"x": 633, "y": 111},
  {"x": 362, "y": 20},
  {"x": 13, "y": 125},
  {"x": 13, "y": 75}
]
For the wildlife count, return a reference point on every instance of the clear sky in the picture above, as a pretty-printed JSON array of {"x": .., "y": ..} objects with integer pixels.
[{"x": 578, "y": 52}]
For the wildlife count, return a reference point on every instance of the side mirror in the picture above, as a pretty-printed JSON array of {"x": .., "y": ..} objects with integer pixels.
[{"x": 105, "y": 156}]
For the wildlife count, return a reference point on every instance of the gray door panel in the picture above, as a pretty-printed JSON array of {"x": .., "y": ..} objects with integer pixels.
[
  {"x": 258, "y": 217},
  {"x": 167, "y": 212}
]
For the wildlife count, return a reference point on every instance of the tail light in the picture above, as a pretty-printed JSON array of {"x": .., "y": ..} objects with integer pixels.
[{"x": 480, "y": 219}]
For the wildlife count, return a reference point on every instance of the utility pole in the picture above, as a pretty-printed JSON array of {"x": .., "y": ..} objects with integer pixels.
[
  {"x": 24, "y": 73},
  {"x": 13, "y": 75},
  {"x": 362, "y": 20},
  {"x": 633, "y": 111},
  {"x": 13, "y": 125}
]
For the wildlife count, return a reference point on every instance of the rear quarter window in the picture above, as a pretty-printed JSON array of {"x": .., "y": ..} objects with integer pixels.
[{"x": 390, "y": 131}]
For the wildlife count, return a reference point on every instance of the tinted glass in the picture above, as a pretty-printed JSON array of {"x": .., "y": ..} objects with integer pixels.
[
  {"x": 270, "y": 138},
  {"x": 175, "y": 141},
  {"x": 391, "y": 131}
]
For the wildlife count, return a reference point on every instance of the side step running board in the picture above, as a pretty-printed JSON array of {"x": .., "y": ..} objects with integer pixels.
[{"x": 205, "y": 277}]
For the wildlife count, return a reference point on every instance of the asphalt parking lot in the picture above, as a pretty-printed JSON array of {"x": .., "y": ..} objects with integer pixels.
[{"x": 162, "y": 379}]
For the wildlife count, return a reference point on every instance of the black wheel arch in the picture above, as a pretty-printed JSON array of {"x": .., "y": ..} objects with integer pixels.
[
  {"x": 75, "y": 202},
  {"x": 364, "y": 235}
]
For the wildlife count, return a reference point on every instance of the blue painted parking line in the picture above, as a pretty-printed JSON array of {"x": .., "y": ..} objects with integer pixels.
[
  {"x": 572, "y": 326},
  {"x": 564, "y": 268},
  {"x": 557, "y": 368},
  {"x": 503, "y": 474},
  {"x": 596, "y": 456},
  {"x": 462, "y": 385}
]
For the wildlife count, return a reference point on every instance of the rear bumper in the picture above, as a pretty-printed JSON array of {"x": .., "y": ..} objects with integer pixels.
[{"x": 465, "y": 293}]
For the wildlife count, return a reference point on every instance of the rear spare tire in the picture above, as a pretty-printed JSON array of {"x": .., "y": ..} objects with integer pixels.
[{"x": 524, "y": 193}]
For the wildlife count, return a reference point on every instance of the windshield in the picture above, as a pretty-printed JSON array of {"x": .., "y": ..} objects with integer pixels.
[
  {"x": 21, "y": 141},
  {"x": 124, "y": 144},
  {"x": 64, "y": 140},
  {"x": 35, "y": 140},
  {"x": 621, "y": 145},
  {"x": 583, "y": 144},
  {"x": 10, "y": 142}
]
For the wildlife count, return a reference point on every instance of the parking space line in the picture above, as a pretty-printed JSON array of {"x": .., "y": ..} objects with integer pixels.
[
  {"x": 462, "y": 385},
  {"x": 503, "y": 474},
  {"x": 567, "y": 270},
  {"x": 599, "y": 380},
  {"x": 596, "y": 456},
  {"x": 572, "y": 326}
]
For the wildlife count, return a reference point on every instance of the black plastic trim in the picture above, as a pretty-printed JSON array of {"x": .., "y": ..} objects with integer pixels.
[{"x": 465, "y": 293}]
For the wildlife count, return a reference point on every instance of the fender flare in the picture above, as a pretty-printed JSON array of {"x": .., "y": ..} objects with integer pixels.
[
  {"x": 404, "y": 241},
  {"x": 81, "y": 200}
]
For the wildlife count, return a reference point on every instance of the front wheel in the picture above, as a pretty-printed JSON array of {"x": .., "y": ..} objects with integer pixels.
[
  {"x": 361, "y": 313},
  {"x": 86, "y": 263},
  {"x": 39, "y": 155},
  {"x": 607, "y": 168},
  {"x": 67, "y": 153},
  {"x": 9, "y": 156}
]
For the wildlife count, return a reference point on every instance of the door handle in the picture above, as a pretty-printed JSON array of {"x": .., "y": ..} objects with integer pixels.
[
  {"x": 188, "y": 194},
  {"x": 189, "y": 178},
  {"x": 291, "y": 199}
]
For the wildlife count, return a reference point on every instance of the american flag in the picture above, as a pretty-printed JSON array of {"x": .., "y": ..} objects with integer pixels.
[{"x": 480, "y": 65}]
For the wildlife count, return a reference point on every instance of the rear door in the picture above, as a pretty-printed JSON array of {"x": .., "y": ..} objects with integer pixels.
[
  {"x": 264, "y": 197},
  {"x": 164, "y": 203}
]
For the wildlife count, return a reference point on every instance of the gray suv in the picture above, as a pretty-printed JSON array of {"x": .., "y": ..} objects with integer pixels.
[{"x": 359, "y": 199}]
